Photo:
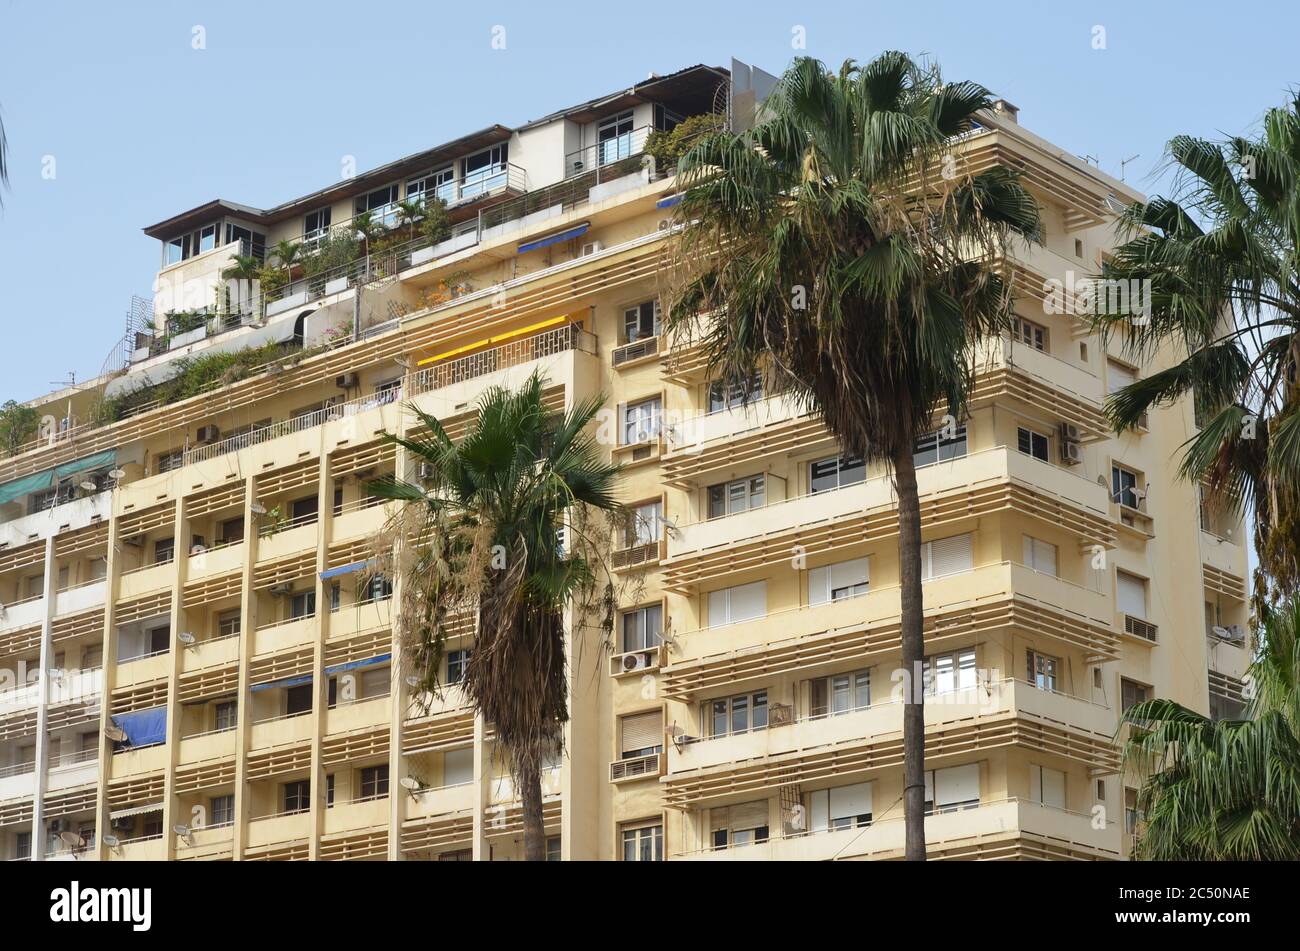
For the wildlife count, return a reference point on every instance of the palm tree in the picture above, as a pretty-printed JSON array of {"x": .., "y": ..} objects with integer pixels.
[
  {"x": 246, "y": 269},
  {"x": 409, "y": 212},
  {"x": 1223, "y": 260},
  {"x": 487, "y": 519},
  {"x": 4, "y": 161},
  {"x": 286, "y": 253},
  {"x": 1228, "y": 789},
  {"x": 858, "y": 273}
]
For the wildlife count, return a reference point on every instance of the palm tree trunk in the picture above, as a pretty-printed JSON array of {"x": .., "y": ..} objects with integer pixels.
[
  {"x": 909, "y": 562},
  {"x": 530, "y": 792}
]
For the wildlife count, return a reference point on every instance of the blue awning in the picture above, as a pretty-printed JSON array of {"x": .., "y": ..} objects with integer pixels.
[
  {"x": 555, "y": 238},
  {"x": 286, "y": 682},
  {"x": 347, "y": 569},
  {"x": 669, "y": 201},
  {"x": 143, "y": 727},
  {"x": 358, "y": 664}
]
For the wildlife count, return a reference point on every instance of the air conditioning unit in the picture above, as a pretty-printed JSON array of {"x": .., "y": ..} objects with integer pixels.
[
  {"x": 1069, "y": 432},
  {"x": 135, "y": 541},
  {"x": 57, "y": 826},
  {"x": 208, "y": 434},
  {"x": 633, "y": 662},
  {"x": 1236, "y": 633},
  {"x": 591, "y": 247},
  {"x": 346, "y": 381},
  {"x": 124, "y": 824},
  {"x": 665, "y": 224},
  {"x": 281, "y": 590},
  {"x": 1071, "y": 453}
]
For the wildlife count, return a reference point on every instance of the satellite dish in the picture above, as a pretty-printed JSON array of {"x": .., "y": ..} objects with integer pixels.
[
  {"x": 112, "y": 841},
  {"x": 89, "y": 486},
  {"x": 185, "y": 637},
  {"x": 72, "y": 840},
  {"x": 258, "y": 508},
  {"x": 182, "y": 831},
  {"x": 412, "y": 680},
  {"x": 409, "y": 782},
  {"x": 115, "y": 733},
  {"x": 117, "y": 474}
]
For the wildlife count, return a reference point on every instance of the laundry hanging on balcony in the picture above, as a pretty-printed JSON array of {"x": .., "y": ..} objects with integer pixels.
[
  {"x": 358, "y": 664},
  {"x": 143, "y": 727},
  {"x": 556, "y": 238}
]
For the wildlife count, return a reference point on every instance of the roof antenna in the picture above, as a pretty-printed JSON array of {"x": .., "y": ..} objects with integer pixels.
[{"x": 1124, "y": 163}]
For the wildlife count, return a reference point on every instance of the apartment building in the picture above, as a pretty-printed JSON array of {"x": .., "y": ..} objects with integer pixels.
[{"x": 200, "y": 649}]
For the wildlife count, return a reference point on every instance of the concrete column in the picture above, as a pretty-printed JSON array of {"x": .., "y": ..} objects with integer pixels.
[
  {"x": 40, "y": 780},
  {"x": 180, "y": 564},
  {"x": 320, "y": 684},
  {"x": 247, "y": 624}
]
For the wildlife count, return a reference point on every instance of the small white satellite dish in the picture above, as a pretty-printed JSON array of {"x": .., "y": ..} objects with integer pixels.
[
  {"x": 412, "y": 680},
  {"x": 258, "y": 508},
  {"x": 115, "y": 733},
  {"x": 185, "y": 637},
  {"x": 72, "y": 840},
  {"x": 182, "y": 831},
  {"x": 409, "y": 782},
  {"x": 112, "y": 841},
  {"x": 117, "y": 474},
  {"x": 89, "y": 486}
]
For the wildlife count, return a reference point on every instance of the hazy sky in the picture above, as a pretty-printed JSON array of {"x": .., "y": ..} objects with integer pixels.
[{"x": 116, "y": 121}]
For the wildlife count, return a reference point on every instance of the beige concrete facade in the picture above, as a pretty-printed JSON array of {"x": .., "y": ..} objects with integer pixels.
[{"x": 201, "y": 574}]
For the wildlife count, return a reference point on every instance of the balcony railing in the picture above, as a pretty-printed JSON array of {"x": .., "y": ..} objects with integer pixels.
[
  {"x": 517, "y": 352},
  {"x": 610, "y": 159}
]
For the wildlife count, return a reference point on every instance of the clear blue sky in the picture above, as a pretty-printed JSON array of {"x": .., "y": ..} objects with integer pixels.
[{"x": 141, "y": 125}]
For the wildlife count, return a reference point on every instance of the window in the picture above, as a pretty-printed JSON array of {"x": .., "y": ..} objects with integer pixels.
[
  {"x": 1042, "y": 670},
  {"x": 374, "y": 782},
  {"x": 316, "y": 225},
  {"x": 935, "y": 447},
  {"x": 92, "y": 656},
  {"x": 381, "y": 203},
  {"x": 1130, "y": 594},
  {"x": 738, "y": 714},
  {"x": 438, "y": 183},
  {"x": 304, "y": 510},
  {"x": 739, "y": 825},
  {"x": 641, "y": 421},
  {"x": 1032, "y": 444},
  {"x": 1029, "y": 333},
  {"x": 1118, "y": 376},
  {"x": 232, "y": 530},
  {"x": 164, "y": 550},
  {"x": 1131, "y": 693},
  {"x": 302, "y": 604},
  {"x": 843, "y": 579},
  {"x": 376, "y": 588},
  {"x": 740, "y": 603},
  {"x": 296, "y": 796},
  {"x": 1124, "y": 487},
  {"x": 1047, "y": 786},
  {"x": 647, "y": 524},
  {"x": 839, "y": 693},
  {"x": 844, "y": 807},
  {"x": 228, "y": 623},
  {"x": 484, "y": 171},
  {"x": 553, "y": 848},
  {"x": 945, "y": 556},
  {"x": 22, "y": 845},
  {"x": 221, "y": 809},
  {"x": 948, "y": 673},
  {"x": 641, "y": 321},
  {"x": 739, "y": 495},
  {"x": 614, "y": 137},
  {"x": 1132, "y": 815},
  {"x": 460, "y": 855},
  {"x": 643, "y": 843},
  {"x": 835, "y": 473},
  {"x": 725, "y": 395},
  {"x": 152, "y": 827},
  {"x": 642, "y": 627},
  {"x": 160, "y": 639},
  {"x": 297, "y": 699},
  {"x": 167, "y": 461},
  {"x": 1078, "y": 247},
  {"x": 948, "y": 790},
  {"x": 641, "y": 734},
  {"x": 226, "y": 715},
  {"x": 1040, "y": 555},
  {"x": 456, "y": 662}
]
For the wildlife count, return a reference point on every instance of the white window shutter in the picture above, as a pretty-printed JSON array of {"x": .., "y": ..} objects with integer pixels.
[
  {"x": 748, "y": 601},
  {"x": 948, "y": 556},
  {"x": 1040, "y": 555},
  {"x": 847, "y": 574},
  {"x": 642, "y": 730},
  {"x": 749, "y": 815},
  {"x": 458, "y": 766},
  {"x": 852, "y": 800},
  {"x": 718, "y": 608},
  {"x": 957, "y": 784},
  {"x": 818, "y": 818},
  {"x": 1118, "y": 376},
  {"x": 819, "y": 585},
  {"x": 1130, "y": 594}
]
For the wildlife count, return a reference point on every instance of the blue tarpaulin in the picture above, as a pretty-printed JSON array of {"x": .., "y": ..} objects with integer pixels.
[
  {"x": 669, "y": 201},
  {"x": 347, "y": 569},
  {"x": 555, "y": 238},
  {"x": 143, "y": 727},
  {"x": 356, "y": 664},
  {"x": 286, "y": 682}
]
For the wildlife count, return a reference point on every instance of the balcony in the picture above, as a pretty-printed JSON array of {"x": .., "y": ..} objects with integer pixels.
[
  {"x": 989, "y": 601},
  {"x": 143, "y": 668},
  {"x": 288, "y": 730},
  {"x": 213, "y": 652},
  {"x": 1044, "y": 384},
  {"x": 72, "y": 770},
  {"x": 730, "y": 439},
  {"x": 1009, "y": 828},
  {"x": 209, "y": 745},
  {"x": 610, "y": 159},
  {"x": 83, "y": 597},
  {"x": 146, "y": 579},
  {"x": 443, "y": 800},
  {"x": 714, "y": 771},
  {"x": 365, "y": 714},
  {"x": 279, "y": 828},
  {"x": 983, "y": 483}
]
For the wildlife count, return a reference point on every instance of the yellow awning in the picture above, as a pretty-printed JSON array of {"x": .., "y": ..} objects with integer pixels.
[{"x": 491, "y": 341}]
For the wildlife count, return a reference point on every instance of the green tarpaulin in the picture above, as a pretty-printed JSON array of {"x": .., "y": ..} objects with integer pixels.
[{"x": 44, "y": 480}]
